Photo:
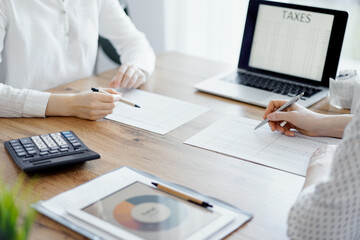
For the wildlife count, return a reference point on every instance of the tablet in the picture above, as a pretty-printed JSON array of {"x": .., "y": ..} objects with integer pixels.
[{"x": 139, "y": 211}]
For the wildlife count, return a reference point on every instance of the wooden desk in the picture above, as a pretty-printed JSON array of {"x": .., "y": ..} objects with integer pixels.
[{"x": 265, "y": 192}]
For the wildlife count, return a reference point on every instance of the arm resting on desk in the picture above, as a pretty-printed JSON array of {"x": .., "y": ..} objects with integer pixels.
[
  {"x": 30, "y": 103},
  {"x": 87, "y": 105},
  {"x": 305, "y": 121}
]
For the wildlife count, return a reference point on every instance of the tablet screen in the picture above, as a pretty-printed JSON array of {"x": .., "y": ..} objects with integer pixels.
[{"x": 151, "y": 214}]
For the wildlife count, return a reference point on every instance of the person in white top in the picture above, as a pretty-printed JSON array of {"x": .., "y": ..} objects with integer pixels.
[
  {"x": 47, "y": 43},
  {"x": 328, "y": 206}
]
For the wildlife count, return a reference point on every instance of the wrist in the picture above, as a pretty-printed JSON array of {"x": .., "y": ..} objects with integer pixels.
[
  {"x": 60, "y": 105},
  {"x": 333, "y": 125}
]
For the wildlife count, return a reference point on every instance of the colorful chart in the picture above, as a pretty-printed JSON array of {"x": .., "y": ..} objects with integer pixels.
[{"x": 150, "y": 213}]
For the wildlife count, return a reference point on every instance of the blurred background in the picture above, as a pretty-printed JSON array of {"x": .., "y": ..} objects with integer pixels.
[{"x": 213, "y": 29}]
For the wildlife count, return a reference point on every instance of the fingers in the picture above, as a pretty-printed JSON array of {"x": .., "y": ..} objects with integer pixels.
[
  {"x": 103, "y": 106},
  {"x": 272, "y": 126},
  {"x": 281, "y": 116},
  {"x": 286, "y": 129},
  {"x": 99, "y": 114},
  {"x": 133, "y": 80},
  {"x": 128, "y": 77},
  {"x": 272, "y": 106},
  {"x": 112, "y": 91},
  {"x": 141, "y": 80},
  {"x": 116, "y": 81},
  {"x": 102, "y": 97}
]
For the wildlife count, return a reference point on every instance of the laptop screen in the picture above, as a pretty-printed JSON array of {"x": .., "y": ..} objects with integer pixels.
[{"x": 291, "y": 41}]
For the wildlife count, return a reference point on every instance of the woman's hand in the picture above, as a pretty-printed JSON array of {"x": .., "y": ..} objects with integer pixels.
[
  {"x": 296, "y": 116},
  {"x": 305, "y": 121},
  {"x": 87, "y": 105},
  {"x": 128, "y": 76}
]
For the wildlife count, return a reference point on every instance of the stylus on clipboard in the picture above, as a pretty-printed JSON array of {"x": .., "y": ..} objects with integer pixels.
[{"x": 182, "y": 195}]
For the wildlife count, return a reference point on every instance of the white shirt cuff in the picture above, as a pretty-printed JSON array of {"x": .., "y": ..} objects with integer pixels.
[{"x": 35, "y": 103}]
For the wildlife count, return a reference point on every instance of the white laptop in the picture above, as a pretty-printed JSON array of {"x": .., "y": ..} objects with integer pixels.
[{"x": 286, "y": 49}]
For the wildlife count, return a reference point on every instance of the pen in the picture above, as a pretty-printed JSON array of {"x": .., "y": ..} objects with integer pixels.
[
  {"x": 121, "y": 99},
  {"x": 283, "y": 107},
  {"x": 182, "y": 195}
]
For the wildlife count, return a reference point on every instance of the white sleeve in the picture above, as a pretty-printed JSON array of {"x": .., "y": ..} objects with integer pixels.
[
  {"x": 22, "y": 102},
  {"x": 18, "y": 102},
  {"x": 331, "y": 209},
  {"x": 131, "y": 45}
]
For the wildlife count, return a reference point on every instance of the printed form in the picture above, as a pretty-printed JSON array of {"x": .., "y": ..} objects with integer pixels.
[
  {"x": 157, "y": 114},
  {"x": 236, "y": 137}
]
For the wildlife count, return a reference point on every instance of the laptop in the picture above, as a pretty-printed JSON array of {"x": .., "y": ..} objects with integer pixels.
[{"x": 286, "y": 49}]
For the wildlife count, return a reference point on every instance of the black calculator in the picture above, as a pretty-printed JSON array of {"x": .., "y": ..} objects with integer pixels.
[{"x": 48, "y": 150}]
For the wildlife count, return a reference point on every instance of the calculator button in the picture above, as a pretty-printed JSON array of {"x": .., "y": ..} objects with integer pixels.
[
  {"x": 25, "y": 141},
  {"x": 32, "y": 152},
  {"x": 75, "y": 145},
  {"x": 58, "y": 138},
  {"x": 21, "y": 154},
  {"x": 17, "y": 147},
  {"x": 48, "y": 140},
  {"x": 64, "y": 149},
  {"x": 28, "y": 145},
  {"x": 14, "y": 141},
  {"x": 29, "y": 149},
  {"x": 43, "y": 153},
  {"x": 54, "y": 151},
  {"x": 19, "y": 150},
  {"x": 15, "y": 144},
  {"x": 54, "y": 148},
  {"x": 39, "y": 143}
]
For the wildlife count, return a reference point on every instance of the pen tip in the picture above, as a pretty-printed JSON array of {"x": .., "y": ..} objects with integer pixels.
[
  {"x": 137, "y": 106},
  {"x": 155, "y": 184},
  {"x": 205, "y": 204}
]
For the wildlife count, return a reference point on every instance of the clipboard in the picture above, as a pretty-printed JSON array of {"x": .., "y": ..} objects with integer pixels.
[{"x": 58, "y": 207}]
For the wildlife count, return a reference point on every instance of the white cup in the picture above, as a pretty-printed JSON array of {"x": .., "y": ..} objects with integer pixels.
[{"x": 342, "y": 89}]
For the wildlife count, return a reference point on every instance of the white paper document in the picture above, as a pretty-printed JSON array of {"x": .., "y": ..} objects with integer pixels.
[
  {"x": 236, "y": 137},
  {"x": 123, "y": 204},
  {"x": 157, "y": 114}
]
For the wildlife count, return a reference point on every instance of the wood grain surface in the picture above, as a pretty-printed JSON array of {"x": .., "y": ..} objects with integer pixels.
[{"x": 263, "y": 191}]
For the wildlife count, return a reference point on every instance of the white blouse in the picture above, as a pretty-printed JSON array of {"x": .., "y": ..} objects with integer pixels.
[
  {"x": 46, "y": 43},
  {"x": 331, "y": 209}
]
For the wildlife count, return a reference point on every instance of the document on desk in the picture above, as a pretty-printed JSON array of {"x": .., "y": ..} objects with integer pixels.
[
  {"x": 236, "y": 137},
  {"x": 159, "y": 114}
]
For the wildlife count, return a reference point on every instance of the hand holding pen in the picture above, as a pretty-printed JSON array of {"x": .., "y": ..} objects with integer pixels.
[
  {"x": 296, "y": 117},
  {"x": 120, "y": 99}
]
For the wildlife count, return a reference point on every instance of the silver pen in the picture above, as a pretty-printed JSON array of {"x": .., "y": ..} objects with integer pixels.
[{"x": 283, "y": 107}]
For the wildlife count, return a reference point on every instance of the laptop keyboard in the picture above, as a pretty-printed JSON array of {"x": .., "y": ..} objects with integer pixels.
[{"x": 272, "y": 85}]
